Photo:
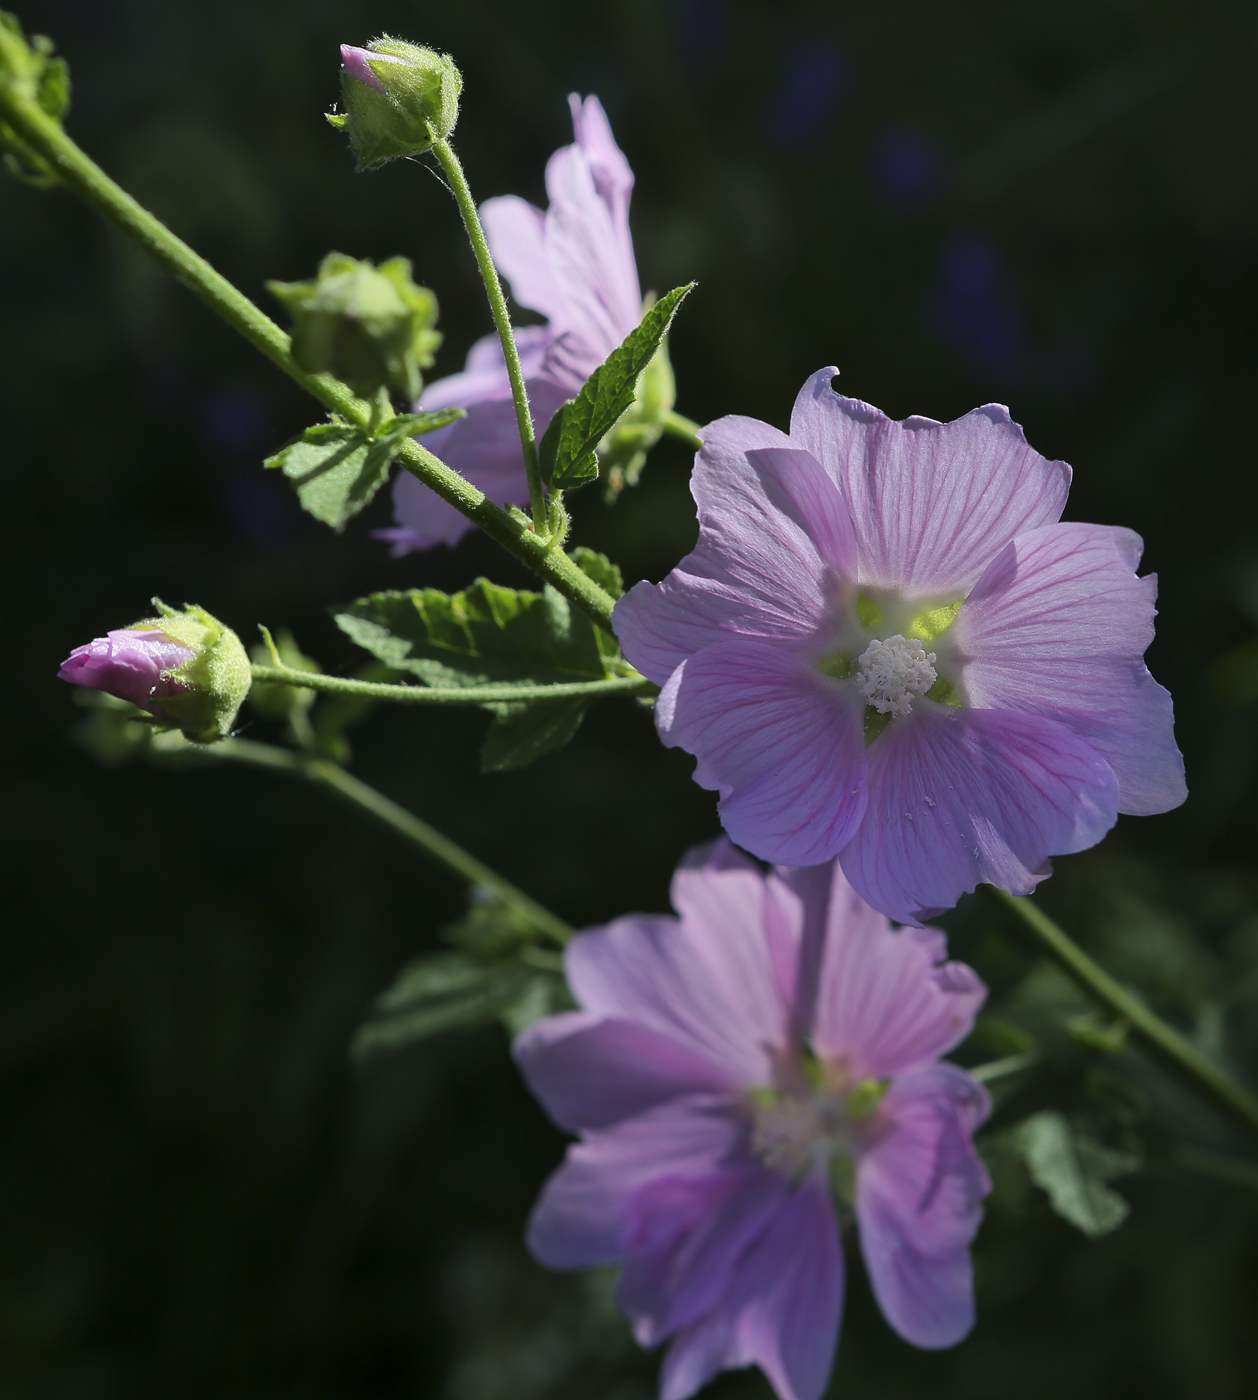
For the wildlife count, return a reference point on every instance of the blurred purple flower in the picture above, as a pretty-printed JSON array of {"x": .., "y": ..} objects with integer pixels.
[
  {"x": 792, "y": 649},
  {"x": 574, "y": 264},
  {"x": 814, "y": 80},
  {"x": 132, "y": 665},
  {"x": 973, "y": 308},
  {"x": 906, "y": 168},
  {"x": 726, "y": 1070}
]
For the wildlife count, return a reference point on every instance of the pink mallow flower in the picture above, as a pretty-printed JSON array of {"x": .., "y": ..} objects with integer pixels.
[
  {"x": 135, "y": 665},
  {"x": 729, "y": 1071},
  {"x": 887, "y": 646},
  {"x": 574, "y": 264}
]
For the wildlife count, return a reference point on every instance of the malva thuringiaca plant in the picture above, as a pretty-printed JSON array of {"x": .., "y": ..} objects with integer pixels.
[{"x": 904, "y": 674}]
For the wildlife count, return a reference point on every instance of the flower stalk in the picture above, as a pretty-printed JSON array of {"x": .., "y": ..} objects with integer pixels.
[
  {"x": 502, "y": 320},
  {"x": 1174, "y": 1050},
  {"x": 353, "y": 790},
  {"x": 79, "y": 173},
  {"x": 451, "y": 695}
]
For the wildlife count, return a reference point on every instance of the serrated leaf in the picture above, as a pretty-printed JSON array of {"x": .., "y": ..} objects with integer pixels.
[
  {"x": 338, "y": 468},
  {"x": 568, "y": 452},
  {"x": 440, "y": 992},
  {"x": 600, "y": 568},
  {"x": 1072, "y": 1168},
  {"x": 484, "y": 635}
]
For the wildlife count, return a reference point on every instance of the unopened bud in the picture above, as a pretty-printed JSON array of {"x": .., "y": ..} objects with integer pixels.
[
  {"x": 184, "y": 667},
  {"x": 399, "y": 98},
  {"x": 370, "y": 326}
]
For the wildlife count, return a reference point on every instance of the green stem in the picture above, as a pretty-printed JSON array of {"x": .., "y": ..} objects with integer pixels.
[
  {"x": 367, "y": 799},
  {"x": 1176, "y": 1052},
  {"x": 502, "y": 319},
  {"x": 678, "y": 426},
  {"x": 997, "y": 1069},
  {"x": 450, "y": 695},
  {"x": 82, "y": 175}
]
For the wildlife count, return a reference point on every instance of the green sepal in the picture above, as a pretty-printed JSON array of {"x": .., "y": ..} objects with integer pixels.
[
  {"x": 1073, "y": 1168},
  {"x": 338, "y": 468},
  {"x": 32, "y": 71},
  {"x": 372, "y": 327},
  {"x": 218, "y": 675},
  {"x": 569, "y": 449},
  {"x": 489, "y": 635}
]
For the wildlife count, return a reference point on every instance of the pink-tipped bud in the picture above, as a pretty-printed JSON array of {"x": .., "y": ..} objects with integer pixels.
[{"x": 132, "y": 665}]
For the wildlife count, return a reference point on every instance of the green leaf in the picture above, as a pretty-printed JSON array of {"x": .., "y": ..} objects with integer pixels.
[
  {"x": 481, "y": 636},
  {"x": 440, "y": 992},
  {"x": 1072, "y": 1168},
  {"x": 568, "y": 451},
  {"x": 525, "y": 731},
  {"x": 338, "y": 468}
]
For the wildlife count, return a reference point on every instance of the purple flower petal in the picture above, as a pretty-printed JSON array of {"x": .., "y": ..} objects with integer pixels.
[
  {"x": 683, "y": 1238},
  {"x": 134, "y": 665},
  {"x": 580, "y": 1220},
  {"x": 1057, "y": 626},
  {"x": 782, "y": 743},
  {"x": 919, "y": 1195},
  {"x": 775, "y": 539},
  {"x": 706, "y": 983},
  {"x": 516, "y": 231},
  {"x": 780, "y": 1312},
  {"x": 958, "y": 797},
  {"x": 931, "y": 502},
  {"x": 883, "y": 1002},
  {"x": 590, "y": 1071}
]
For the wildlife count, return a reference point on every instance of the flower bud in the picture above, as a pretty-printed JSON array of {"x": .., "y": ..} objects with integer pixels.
[
  {"x": 399, "y": 98},
  {"x": 370, "y": 326},
  {"x": 184, "y": 667}
]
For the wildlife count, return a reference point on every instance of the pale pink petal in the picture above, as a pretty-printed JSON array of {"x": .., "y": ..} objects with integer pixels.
[
  {"x": 780, "y": 1311},
  {"x": 775, "y": 541},
  {"x": 516, "y": 231},
  {"x": 919, "y": 1194},
  {"x": 581, "y": 1217},
  {"x": 1057, "y": 626},
  {"x": 885, "y": 1001},
  {"x": 782, "y": 743},
  {"x": 706, "y": 982},
  {"x": 612, "y": 176},
  {"x": 590, "y": 1071},
  {"x": 960, "y": 797},
  {"x": 932, "y": 503}
]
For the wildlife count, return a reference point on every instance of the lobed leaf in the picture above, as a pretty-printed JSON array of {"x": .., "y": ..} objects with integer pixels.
[
  {"x": 337, "y": 468},
  {"x": 1072, "y": 1168}
]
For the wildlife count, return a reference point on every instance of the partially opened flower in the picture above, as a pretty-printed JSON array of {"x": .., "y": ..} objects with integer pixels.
[
  {"x": 573, "y": 263},
  {"x": 731, "y": 1069},
  {"x": 887, "y": 647}
]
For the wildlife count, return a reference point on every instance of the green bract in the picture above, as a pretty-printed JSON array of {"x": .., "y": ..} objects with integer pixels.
[
  {"x": 218, "y": 675},
  {"x": 371, "y": 327},
  {"x": 415, "y": 104},
  {"x": 30, "y": 69}
]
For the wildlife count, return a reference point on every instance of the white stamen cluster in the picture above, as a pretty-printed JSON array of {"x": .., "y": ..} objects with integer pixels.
[
  {"x": 789, "y": 1134},
  {"x": 891, "y": 674}
]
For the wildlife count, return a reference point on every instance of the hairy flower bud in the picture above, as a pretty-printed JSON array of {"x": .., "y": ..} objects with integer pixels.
[
  {"x": 184, "y": 667},
  {"x": 399, "y": 98},
  {"x": 370, "y": 326}
]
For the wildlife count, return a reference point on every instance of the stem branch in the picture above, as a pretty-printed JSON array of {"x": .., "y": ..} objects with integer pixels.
[
  {"x": 367, "y": 799},
  {"x": 78, "y": 172},
  {"x": 1174, "y": 1051},
  {"x": 450, "y": 695},
  {"x": 502, "y": 320},
  {"x": 679, "y": 426}
]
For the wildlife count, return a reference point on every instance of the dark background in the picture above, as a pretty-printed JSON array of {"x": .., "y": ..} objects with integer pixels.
[{"x": 1051, "y": 204}]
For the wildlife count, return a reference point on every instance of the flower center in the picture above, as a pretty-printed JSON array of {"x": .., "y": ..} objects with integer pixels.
[
  {"x": 790, "y": 1132},
  {"x": 892, "y": 673}
]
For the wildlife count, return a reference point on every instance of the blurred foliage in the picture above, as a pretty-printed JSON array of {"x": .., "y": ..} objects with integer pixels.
[{"x": 1048, "y": 203}]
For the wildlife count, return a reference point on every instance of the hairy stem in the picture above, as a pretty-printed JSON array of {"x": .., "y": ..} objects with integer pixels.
[
  {"x": 331, "y": 775},
  {"x": 679, "y": 426},
  {"x": 1174, "y": 1051},
  {"x": 451, "y": 695},
  {"x": 79, "y": 173},
  {"x": 502, "y": 320}
]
